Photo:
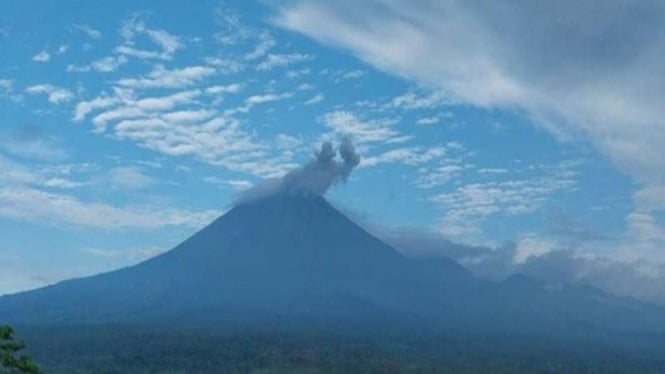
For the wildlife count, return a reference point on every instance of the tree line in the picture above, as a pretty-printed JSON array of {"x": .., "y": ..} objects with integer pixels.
[{"x": 12, "y": 356}]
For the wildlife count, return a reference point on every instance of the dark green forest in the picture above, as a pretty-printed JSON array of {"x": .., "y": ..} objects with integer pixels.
[
  {"x": 13, "y": 358},
  {"x": 116, "y": 349}
]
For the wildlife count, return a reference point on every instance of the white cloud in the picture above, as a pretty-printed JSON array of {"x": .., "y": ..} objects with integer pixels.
[
  {"x": 266, "y": 42},
  {"x": 103, "y": 65},
  {"x": 235, "y": 184},
  {"x": 286, "y": 142},
  {"x": 547, "y": 260},
  {"x": 56, "y": 95},
  {"x": 254, "y": 100},
  {"x": 225, "y": 65},
  {"x": 126, "y": 105},
  {"x": 23, "y": 197},
  {"x": 345, "y": 75},
  {"x": 281, "y": 60},
  {"x": 262, "y": 99},
  {"x": 239, "y": 184},
  {"x": 315, "y": 99},
  {"x": 89, "y": 31},
  {"x": 343, "y": 122},
  {"x": 169, "y": 43},
  {"x": 42, "y": 56},
  {"x": 179, "y": 125},
  {"x": 32, "y": 205},
  {"x": 407, "y": 156},
  {"x": 230, "y": 88},
  {"x": 19, "y": 175},
  {"x": 132, "y": 255},
  {"x": 134, "y": 27},
  {"x": 129, "y": 178},
  {"x": 532, "y": 246},
  {"x": 353, "y": 74},
  {"x": 44, "y": 148},
  {"x": 439, "y": 175},
  {"x": 232, "y": 30},
  {"x": 411, "y": 101},
  {"x": 451, "y": 162},
  {"x": 400, "y": 139},
  {"x": 126, "y": 108},
  {"x": 38, "y": 170},
  {"x": 101, "y": 120},
  {"x": 295, "y": 74},
  {"x": 650, "y": 198},
  {"x": 576, "y": 73},
  {"x": 188, "y": 116},
  {"x": 160, "y": 77},
  {"x": 305, "y": 87},
  {"x": 6, "y": 86},
  {"x": 140, "y": 54},
  {"x": 586, "y": 70},
  {"x": 425, "y": 121},
  {"x": 14, "y": 174},
  {"x": 161, "y": 103},
  {"x": 469, "y": 205},
  {"x": 83, "y": 108},
  {"x": 218, "y": 141},
  {"x": 61, "y": 183},
  {"x": 7, "y": 90},
  {"x": 492, "y": 171}
]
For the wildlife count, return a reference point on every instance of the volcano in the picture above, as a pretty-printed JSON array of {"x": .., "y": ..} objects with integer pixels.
[
  {"x": 281, "y": 256},
  {"x": 288, "y": 261}
]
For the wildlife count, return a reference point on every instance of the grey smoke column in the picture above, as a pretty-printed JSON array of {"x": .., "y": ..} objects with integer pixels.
[
  {"x": 315, "y": 177},
  {"x": 350, "y": 158},
  {"x": 323, "y": 171}
]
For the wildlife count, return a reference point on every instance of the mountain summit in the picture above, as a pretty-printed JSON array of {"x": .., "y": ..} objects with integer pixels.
[{"x": 294, "y": 260}]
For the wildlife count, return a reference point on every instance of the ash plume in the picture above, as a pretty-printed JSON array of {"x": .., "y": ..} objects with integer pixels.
[{"x": 313, "y": 178}]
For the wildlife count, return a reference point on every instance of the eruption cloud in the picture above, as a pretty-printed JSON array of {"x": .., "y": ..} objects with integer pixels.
[{"x": 313, "y": 178}]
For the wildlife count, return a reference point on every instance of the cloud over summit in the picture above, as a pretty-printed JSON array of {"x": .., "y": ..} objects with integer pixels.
[{"x": 314, "y": 178}]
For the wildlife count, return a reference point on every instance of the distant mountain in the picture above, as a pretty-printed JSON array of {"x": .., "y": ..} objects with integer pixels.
[{"x": 285, "y": 261}]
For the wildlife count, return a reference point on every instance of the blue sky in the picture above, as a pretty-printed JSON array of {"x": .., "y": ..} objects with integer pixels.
[{"x": 126, "y": 126}]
